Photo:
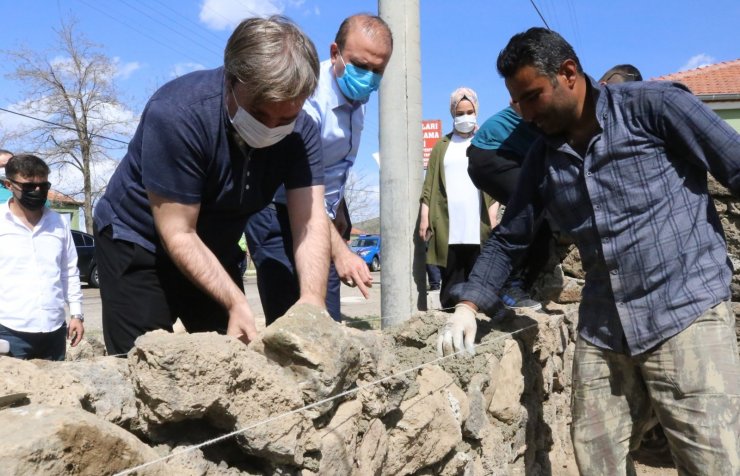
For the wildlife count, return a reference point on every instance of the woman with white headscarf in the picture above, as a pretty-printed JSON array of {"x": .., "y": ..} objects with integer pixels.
[{"x": 455, "y": 217}]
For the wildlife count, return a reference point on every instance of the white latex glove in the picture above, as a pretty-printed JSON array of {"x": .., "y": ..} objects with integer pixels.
[{"x": 458, "y": 331}]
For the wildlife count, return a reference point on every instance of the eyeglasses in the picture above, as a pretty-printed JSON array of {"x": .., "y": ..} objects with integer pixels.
[{"x": 31, "y": 186}]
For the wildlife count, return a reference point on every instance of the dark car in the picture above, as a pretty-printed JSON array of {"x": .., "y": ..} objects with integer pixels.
[
  {"x": 367, "y": 247},
  {"x": 85, "y": 244}
]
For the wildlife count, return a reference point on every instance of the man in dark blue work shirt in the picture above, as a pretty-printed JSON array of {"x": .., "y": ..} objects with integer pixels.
[
  {"x": 211, "y": 149},
  {"x": 622, "y": 169}
]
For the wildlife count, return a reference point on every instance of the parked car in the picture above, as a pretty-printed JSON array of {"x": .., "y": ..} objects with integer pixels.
[
  {"x": 85, "y": 244},
  {"x": 367, "y": 247}
]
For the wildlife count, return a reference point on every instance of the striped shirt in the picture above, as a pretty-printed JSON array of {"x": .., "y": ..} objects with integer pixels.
[{"x": 638, "y": 209}]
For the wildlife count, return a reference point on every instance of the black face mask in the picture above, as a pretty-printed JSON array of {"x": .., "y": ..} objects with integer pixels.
[{"x": 34, "y": 200}]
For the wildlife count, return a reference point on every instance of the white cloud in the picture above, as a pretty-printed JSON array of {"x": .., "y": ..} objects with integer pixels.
[
  {"x": 181, "y": 69},
  {"x": 226, "y": 14},
  {"x": 697, "y": 61},
  {"x": 68, "y": 179},
  {"x": 125, "y": 70},
  {"x": 12, "y": 123}
]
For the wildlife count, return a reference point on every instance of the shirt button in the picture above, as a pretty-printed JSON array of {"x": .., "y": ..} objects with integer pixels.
[
  {"x": 248, "y": 173},
  {"x": 604, "y": 116},
  {"x": 246, "y": 188},
  {"x": 597, "y": 207},
  {"x": 606, "y": 240},
  {"x": 614, "y": 271},
  {"x": 588, "y": 174}
]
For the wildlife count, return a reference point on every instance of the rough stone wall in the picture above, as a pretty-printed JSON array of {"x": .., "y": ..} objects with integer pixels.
[
  {"x": 505, "y": 411},
  {"x": 375, "y": 403}
]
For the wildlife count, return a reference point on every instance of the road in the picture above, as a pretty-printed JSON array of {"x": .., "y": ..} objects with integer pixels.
[{"x": 357, "y": 309}]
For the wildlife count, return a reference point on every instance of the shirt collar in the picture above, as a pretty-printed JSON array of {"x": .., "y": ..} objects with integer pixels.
[
  {"x": 8, "y": 215},
  {"x": 5, "y": 209},
  {"x": 598, "y": 93}
]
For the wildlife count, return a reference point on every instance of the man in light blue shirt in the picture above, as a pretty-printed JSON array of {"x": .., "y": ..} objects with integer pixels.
[{"x": 359, "y": 55}]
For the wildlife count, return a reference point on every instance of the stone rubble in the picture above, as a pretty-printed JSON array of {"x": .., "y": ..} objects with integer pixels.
[{"x": 503, "y": 411}]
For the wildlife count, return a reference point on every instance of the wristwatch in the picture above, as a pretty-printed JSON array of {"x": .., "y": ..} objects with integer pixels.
[{"x": 79, "y": 317}]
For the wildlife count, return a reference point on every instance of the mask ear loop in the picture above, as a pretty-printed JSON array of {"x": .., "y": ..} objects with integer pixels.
[{"x": 343, "y": 62}]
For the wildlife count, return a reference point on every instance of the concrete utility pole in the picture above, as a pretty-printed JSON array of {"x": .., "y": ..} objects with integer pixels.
[{"x": 403, "y": 272}]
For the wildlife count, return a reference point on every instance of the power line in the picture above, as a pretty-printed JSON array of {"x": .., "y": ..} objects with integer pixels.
[
  {"x": 176, "y": 31},
  {"x": 138, "y": 30},
  {"x": 188, "y": 20},
  {"x": 574, "y": 23},
  {"x": 540, "y": 14},
  {"x": 92, "y": 134}
]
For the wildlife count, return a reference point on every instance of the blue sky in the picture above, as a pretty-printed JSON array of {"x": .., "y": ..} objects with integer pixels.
[{"x": 155, "y": 40}]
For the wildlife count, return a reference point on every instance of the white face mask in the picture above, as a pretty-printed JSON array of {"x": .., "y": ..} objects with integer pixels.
[
  {"x": 254, "y": 133},
  {"x": 465, "y": 124}
]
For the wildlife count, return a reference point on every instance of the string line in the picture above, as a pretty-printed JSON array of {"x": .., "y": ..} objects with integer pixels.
[{"x": 315, "y": 404}]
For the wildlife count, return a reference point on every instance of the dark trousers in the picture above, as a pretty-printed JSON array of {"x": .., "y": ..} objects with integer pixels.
[
  {"x": 435, "y": 276},
  {"x": 36, "y": 345},
  {"x": 460, "y": 261},
  {"x": 497, "y": 174},
  {"x": 271, "y": 248},
  {"x": 142, "y": 291}
]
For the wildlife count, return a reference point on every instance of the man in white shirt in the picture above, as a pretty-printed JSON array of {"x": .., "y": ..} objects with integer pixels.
[
  {"x": 358, "y": 58},
  {"x": 38, "y": 267}
]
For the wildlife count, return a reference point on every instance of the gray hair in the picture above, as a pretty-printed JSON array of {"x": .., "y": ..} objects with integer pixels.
[{"x": 274, "y": 59}]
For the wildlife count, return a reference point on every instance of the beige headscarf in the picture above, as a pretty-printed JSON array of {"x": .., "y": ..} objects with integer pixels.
[{"x": 463, "y": 93}]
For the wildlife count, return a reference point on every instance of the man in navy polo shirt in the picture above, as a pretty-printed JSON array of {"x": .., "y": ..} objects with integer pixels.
[{"x": 211, "y": 149}]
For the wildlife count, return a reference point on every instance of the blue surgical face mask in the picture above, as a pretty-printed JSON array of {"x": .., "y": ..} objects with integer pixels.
[{"x": 356, "y": 83}]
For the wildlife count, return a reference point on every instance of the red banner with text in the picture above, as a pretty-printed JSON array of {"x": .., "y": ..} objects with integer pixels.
[{"x": 432, "y": 131}]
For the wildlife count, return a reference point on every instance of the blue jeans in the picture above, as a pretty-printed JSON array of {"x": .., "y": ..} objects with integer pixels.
[
  {"x": 271, "y": 248},
  {"x": 36, "y": 345}
]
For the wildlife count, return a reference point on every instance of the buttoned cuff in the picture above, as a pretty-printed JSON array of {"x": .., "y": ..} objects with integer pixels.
[{"x": 75, "y": 308}]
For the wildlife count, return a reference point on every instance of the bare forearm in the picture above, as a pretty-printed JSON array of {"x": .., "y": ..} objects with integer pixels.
[
  {"x": 311, "y": 251},
  {"x": 201, "y": 266},
  {"x": 423, "y": 221},
  {"x": 311, "y": 241},
  {"x": 337, "y": 242}
]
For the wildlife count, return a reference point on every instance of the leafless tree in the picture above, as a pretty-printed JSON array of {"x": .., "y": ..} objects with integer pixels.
[
  {"x": 71, "y": 88},
  {"x": 361, "y": 197}
]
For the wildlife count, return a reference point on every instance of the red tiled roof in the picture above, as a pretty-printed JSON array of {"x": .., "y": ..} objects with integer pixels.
[
  {"x": 58, "y": 197},
  {"x": 719, "y": 78}
]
